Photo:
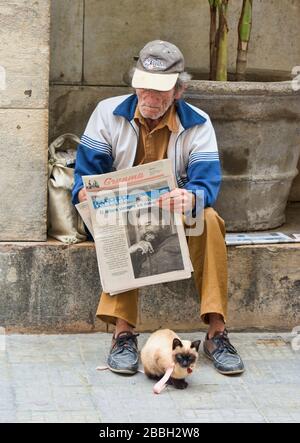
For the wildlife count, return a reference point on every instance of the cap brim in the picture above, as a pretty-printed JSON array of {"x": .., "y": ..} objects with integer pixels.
[{"x": 149, "y": 80}]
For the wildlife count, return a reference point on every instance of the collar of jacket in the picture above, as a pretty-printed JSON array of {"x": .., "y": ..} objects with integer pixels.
[{"x": 187, "y": 116}]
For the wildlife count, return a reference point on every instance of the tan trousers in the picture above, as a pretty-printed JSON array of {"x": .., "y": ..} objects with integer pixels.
[{"x": 209, "y": 257}]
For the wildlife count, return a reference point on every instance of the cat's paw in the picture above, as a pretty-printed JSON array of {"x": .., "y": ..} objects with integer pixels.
[{"x": 179, "y": 383}]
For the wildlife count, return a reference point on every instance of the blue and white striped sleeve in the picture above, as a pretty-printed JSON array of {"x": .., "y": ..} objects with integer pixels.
[
  {"x": 204, "y": 170},
  {"x": 94, "y": 153}
]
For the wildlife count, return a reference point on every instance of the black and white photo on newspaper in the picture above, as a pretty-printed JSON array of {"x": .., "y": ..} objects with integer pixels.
[{"x": 137, "y": 242}]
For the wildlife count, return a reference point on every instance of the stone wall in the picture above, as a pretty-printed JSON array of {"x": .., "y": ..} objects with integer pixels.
[
  {"x": 40, "y": 290},
  {"x": 24, "y": 60},
  {"x": 93, "y": 43}
]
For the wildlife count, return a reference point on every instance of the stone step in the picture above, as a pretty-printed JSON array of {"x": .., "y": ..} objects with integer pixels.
[{"x": 50, "y": 287}]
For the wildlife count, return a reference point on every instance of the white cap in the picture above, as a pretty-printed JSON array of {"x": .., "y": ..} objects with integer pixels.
[{"x": 158, "y": 66}]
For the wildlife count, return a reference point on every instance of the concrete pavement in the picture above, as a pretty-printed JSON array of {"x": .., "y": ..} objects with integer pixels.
[{"x": 52, "y": 378}]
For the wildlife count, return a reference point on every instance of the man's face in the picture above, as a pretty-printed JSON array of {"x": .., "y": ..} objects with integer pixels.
[
  {"x": 154, "y": 104},
  {"x": 149, "y": 226}
]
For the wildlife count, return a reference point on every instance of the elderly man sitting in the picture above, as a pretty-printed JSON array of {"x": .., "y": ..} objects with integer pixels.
[{"x": 153, "y": 124}]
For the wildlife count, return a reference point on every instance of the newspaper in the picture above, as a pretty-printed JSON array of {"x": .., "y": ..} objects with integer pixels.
[
  {"x": 84, "y": 212},
  {"x": 137, "y": 243},
  {"x": 261, "y": 238}
]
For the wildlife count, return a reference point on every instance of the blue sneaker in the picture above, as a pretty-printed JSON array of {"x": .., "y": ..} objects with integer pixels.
[
  {"x": 225, "y": 357},
  {"x": 123, "y": 356}
]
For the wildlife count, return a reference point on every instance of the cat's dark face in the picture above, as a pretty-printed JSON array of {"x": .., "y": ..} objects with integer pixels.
[
  {"x": 185, "y": 356},
  {"x": 185, "y": 360}
]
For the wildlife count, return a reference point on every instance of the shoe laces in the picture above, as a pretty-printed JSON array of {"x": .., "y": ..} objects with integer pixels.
[
  {"x": 223, "y": 343},
  {"x": 126, "y": 341}
]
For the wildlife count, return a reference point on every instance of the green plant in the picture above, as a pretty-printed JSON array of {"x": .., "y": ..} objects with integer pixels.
[{"x": 219, "y": 39}]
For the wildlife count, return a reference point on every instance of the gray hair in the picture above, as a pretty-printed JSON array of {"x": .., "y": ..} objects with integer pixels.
[{"x": 183, "y": 80}]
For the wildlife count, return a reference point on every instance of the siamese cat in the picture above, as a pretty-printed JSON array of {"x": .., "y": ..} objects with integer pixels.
[{"x": 164, "y": 354}]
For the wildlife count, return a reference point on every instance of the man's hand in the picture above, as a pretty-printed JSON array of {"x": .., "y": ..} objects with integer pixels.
[
  {"x": 82, "y": 195},
  {"x": 178, "y": 200},
  {"x": 143, "y": 246}
]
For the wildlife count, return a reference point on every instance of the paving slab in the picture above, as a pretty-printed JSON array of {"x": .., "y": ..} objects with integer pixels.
[{"x": 53, "y": 379}]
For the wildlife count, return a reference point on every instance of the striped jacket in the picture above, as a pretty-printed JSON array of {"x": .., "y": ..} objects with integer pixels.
[{"x": 110, "y": 141}]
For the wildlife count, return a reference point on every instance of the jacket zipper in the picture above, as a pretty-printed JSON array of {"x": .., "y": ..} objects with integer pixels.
[
  {"x": 137, "y": 140},
  {"x": 176, "y": 171}
]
